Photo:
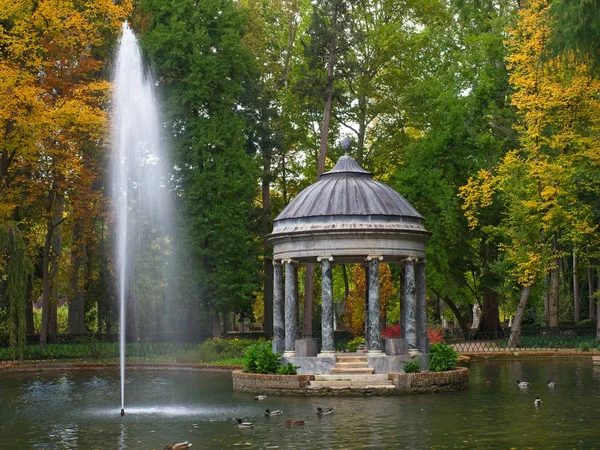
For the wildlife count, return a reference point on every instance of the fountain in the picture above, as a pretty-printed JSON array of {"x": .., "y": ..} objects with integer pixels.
[{"x": 140, "y": 184}]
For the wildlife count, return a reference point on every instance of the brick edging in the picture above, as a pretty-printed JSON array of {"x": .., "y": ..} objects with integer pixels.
[{"x": 406, "y": 383}]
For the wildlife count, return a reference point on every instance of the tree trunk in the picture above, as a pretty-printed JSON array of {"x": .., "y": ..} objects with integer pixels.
[
  {"x": 267, "y": 252},
  {"x": 591, "y": 302},
  {"x": 76, "y": 318},
  {"x": 546, "y": 298},
  {"x": 490, "y": 316},
  {"x": 576, "y": 305},
  {"x": 515, "y": 331},
  {"x": 554, "y": 293},
  {"x": 328, "y": 93},
  {"x": 29, "y": 328},
  {"x": 55, "y": 267},
  {"x": 346, "y": 284},
  {"x": 46, "y": 266},
  {"x": 464, "y": 325},
  {"x": 216, "y": 325}
]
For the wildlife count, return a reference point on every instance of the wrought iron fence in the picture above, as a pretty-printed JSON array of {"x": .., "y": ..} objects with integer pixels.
[{"x": 537, "y": 339}]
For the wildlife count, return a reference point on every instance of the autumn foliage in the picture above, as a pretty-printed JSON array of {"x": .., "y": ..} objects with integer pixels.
[{"x": 355, "y": 306}]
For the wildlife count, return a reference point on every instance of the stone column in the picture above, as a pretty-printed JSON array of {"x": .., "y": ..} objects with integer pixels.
[
  {"x": 327, "y": 342},
  {"x": 402, "y": 301},
  {"x": 278, "y": 312},
  {"x": 410, "y": 302},
  {"x": 374, "y": 334},
  {"x": 422, "y": 343},
  {"x": 291, "y": 307},
  {"x": 367, "y": 323}
]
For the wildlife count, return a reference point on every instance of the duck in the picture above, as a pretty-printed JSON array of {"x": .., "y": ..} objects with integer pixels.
[
  {"x": 243, "y": 424},
  {"x": 488, "y": 383},
  {"x": 260, "y": 397},
  {"x": 537, "y": 401},
  {"x": 293, "y": 423},
  {"x": 522, "y": 384},
  {"x": 324, "y": 411},
  {"x": 179, "y": 446},
  {"x": 551, "y": 384},
  {"x": 273, "y": 413}
]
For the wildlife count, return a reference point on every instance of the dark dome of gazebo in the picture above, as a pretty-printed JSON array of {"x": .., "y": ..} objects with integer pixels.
[
  {"x": 347, "y": 214},
  {"x": 348, "y": 190}
]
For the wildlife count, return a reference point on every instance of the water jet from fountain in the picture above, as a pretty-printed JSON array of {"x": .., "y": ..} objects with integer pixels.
[{"x": 140, "y": 190}]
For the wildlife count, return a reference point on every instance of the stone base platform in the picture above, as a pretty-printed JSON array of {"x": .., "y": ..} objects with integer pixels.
[{"x": 350, "y": 384}]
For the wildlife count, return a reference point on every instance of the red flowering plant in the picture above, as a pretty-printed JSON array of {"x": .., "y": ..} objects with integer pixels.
[
  {"x": 434, "y": 335},
  {"x": 393, "y": 331}
]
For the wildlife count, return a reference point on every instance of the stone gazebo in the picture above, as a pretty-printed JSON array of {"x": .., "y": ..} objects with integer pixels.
[{"x": 348, "y": 218}]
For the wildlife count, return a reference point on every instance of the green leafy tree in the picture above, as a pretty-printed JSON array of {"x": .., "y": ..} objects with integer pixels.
[{"x": 208, "y": 77}]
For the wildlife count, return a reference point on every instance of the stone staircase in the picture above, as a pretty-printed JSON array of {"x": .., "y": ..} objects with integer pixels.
[{"x": 352, "y": 372}]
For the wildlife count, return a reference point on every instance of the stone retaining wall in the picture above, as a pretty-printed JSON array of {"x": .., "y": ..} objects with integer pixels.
[
  {"x": 406, "y": 383},
  {"x": 452, "y": 380},
  {"x": 267, "y": 383}
]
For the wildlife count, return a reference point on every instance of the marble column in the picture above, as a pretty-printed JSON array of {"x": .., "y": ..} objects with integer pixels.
[
  {"x": 278, "y": 312},
  {"x": 367, "y": 323},
  {"x": 327, "y": 342},
  {"x": 422, "y": 343},
  {"x": 291, "y": 307},
  {"x": 374, "y": 333},
  {"x": 402, "y": 301},
  {"x": 410, "y": 303}
]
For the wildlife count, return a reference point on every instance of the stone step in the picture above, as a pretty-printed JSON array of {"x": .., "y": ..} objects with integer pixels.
[
  {"x": 350, "y": 365},
  {"x": 357, "y": 378},
  {"x": 363, "y": 370},
  {"x": 350, "y": 385},
  {"x": 355, "y": 358}
]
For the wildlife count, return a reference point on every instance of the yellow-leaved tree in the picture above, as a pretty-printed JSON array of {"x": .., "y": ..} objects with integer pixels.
[
  {"x": 53, "y": 107},
  {"x": 547, "y": 186}
]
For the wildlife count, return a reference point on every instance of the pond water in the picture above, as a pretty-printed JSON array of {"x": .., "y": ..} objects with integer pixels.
[{"x": 80, "y": 409}]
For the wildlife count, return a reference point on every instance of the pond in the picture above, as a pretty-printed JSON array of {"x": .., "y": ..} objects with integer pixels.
[{"x": 80, "y": 409}]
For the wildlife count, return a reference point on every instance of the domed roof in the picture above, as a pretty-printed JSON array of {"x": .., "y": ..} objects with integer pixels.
[
  {"x": 348, "y": 191},
  {"x": 347, "y": 216}
]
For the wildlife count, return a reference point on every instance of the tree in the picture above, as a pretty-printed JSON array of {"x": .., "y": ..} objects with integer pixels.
[
  {"x": 208, "y": 78},
  {"x": 53, "y": 52},
  {"x": 457, "y": 119},
  {"x": 543, "y": 186}
]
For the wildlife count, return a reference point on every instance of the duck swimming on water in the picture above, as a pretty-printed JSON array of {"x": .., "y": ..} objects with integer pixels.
[
  {"x": 551, "y": 384},
  {"x": 537, "y": 401},
  {"x": 522, "y": 384},
  {"x": 273, "y": 413},
  {"x": 179, "y": 446},
  {"x": 325, "y": 411},
  {"x": 260, "y": 397},
  {"x": 243, "y": 424}
]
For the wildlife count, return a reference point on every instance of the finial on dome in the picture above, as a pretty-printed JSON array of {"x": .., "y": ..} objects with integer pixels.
[{"x": 346, "y": 145}]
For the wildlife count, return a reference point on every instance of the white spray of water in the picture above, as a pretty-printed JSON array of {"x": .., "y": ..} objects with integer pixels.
[{"x": 139, "y": 172}]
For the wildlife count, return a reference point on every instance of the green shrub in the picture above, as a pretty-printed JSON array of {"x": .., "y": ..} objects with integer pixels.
[
  {"x": 584, "y": 347},
  {"x": 218, "y": 349},
  {"x": 259, "y": 358},
  {"x": 354, "y": 343},
  {"x": 442, "y": 357},
  {"x": 412, "y": 367},
  {"x": 288, "y": 369}
]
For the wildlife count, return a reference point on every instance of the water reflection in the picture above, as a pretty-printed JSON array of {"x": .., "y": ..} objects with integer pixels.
[{"x": 81, "y": 410}]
